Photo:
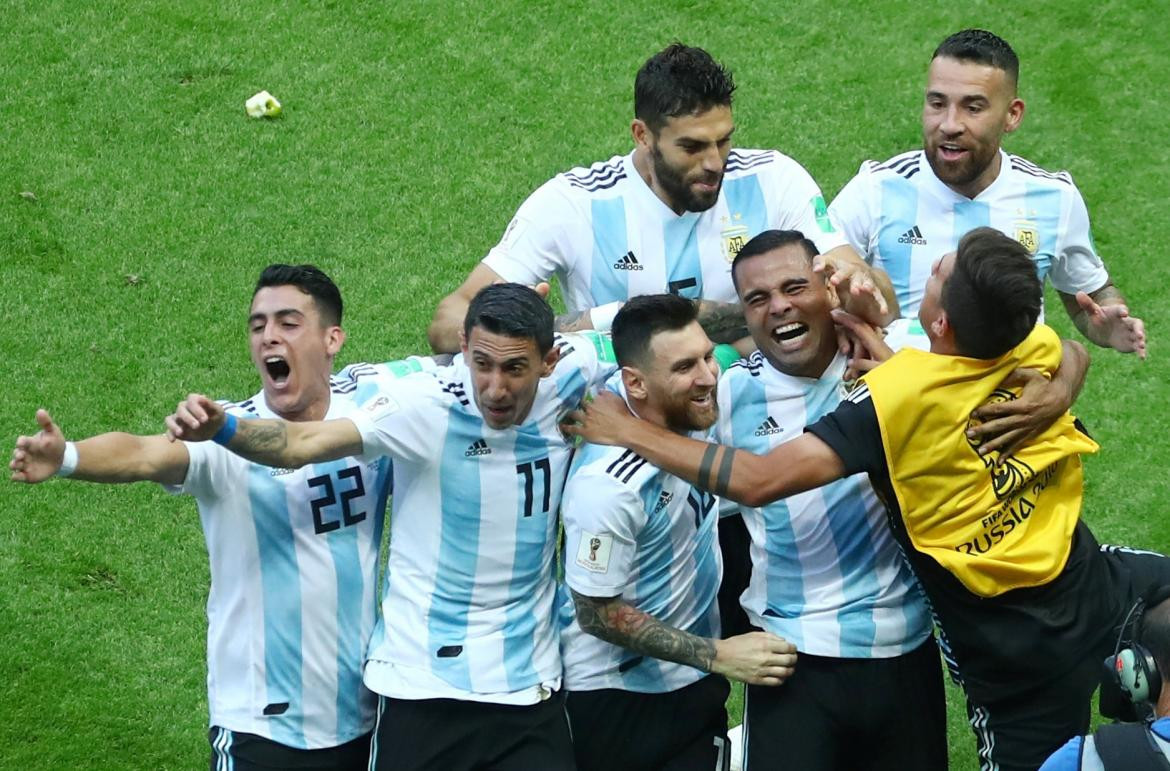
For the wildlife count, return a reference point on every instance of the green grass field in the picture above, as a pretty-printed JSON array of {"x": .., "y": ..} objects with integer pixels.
[{"x": 138, "y": 204}]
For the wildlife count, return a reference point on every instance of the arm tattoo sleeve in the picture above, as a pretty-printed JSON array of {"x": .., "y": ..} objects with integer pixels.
[
  {"x": 705, "y": 465},
  {"x": 723, "y": 322},
  {"x": 618, "y": 622},
  {"x": 723, "y": 480},
  {"x": 574, "y": 322},
  {"x": 261, "y": 441}
]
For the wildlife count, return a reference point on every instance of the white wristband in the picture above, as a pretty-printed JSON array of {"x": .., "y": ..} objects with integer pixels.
[
  {"x": 68, "y": 461},
  {"x": 602, "y": 315}
]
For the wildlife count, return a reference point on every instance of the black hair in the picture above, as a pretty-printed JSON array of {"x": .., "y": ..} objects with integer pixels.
[
  {"x": 312, "y": 281},
  {"x": 644, "y": 316},
  {"x": 993, "y": 296},
  {"x": 680, "y": 80},
  {"x": 766, "y": 242},
  {"x": 514, "y": 310},
  {"x": 981, "y": 47}
]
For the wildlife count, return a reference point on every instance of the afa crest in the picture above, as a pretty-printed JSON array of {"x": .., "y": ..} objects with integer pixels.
[
  {"x": 1028, "y": 237},
  {"x": 734, "y": 239}
]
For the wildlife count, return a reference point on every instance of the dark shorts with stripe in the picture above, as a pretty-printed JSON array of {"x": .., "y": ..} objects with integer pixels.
[
  {"x": 846, "y": 714},
  {"x": 236, "y": 751},
  {"x": 452, "y": 735},
  {"x": 682, "y": 730}
]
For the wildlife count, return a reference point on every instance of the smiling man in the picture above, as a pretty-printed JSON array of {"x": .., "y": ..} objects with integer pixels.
[
  {"x": 667, "y": 217},
  {"x": 901, "y": 214},
  {"x": 644, "y": 662},
  {"x": 293, "y": 552},
  {"x": 827, "y": 574},
  {"x": 465, "y": 653}
]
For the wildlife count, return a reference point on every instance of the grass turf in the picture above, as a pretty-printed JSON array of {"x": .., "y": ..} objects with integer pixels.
[{"x": 138, "y": 203}]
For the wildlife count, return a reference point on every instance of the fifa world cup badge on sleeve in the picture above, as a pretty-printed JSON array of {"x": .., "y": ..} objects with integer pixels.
[
  {"x": 380, "y": 406},
  {"x": 593, "y": 553}
]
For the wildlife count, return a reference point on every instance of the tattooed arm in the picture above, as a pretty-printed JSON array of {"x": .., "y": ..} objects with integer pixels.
[
  {"x": 759, "y": 658},
  {"x": 574, "y": 322},
  {"x": 278, "y": 443},
  {"x": 723, "y": 322}
]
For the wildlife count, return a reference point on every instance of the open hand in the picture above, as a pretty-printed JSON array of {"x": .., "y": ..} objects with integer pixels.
[{"x": 38, "y": 457}]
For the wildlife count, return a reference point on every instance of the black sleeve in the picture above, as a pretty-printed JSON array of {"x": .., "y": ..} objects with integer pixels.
[{"x": 852, "y": 431}]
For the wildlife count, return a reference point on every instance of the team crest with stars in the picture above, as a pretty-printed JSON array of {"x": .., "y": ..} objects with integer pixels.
[
  {"x": 734, "y": 235},
  {"x": 1026, "y": 232}
]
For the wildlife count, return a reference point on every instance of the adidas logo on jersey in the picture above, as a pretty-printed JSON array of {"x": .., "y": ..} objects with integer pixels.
[
  {"x": 478, "y": 447},
  {"x": 279, "y": 472},
  {"x": 912, "y": 236},
  {"x": 664, "y": 499},
  {"x": 627, "y": 262},
  {"x": 769, "y": 427}
]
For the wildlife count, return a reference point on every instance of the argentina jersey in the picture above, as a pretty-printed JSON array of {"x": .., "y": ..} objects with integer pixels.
[
  {"x": 294, "y": 561},
  {"x": 901, "y": 218},
  {"x": 634, "y": 531},
  {"x": 606, "y": 236},
  {"x": 467, "y": 603},
  {"x": 827, "y": 574}
]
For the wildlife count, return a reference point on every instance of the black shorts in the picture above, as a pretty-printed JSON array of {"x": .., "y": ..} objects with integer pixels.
[
  {"x": 1021, "y": 731},
  {"x": 236, "y": 751},
  {"x": 851, "y": 714},
  {"x": 735, "y": 544},
  {"x": 683, "y": 730},
  {"x": 426, "y": 734}
]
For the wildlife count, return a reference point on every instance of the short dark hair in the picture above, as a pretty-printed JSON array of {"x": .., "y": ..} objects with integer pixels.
[
  {"x": 993, "y": 296},
  {"x": 513, "y": 310},
  {"x": 1155, "y": 634},
  {"x": 981, "y": 47},
  {"x": 644, "y": 316},
  {"x": 680, "y": 80},
  {"x": 766, "y": 242},
  {"x": 312, "y": 281}
]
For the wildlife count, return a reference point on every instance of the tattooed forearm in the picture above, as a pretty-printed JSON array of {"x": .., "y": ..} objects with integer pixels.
[
  {"x": 620, "y": 623},
  {"x": 723, "y": 479},
  {"x": 574, "y": 322},
  {"x": 262, "y": 441},
  {"x": 723, "y": 322}
]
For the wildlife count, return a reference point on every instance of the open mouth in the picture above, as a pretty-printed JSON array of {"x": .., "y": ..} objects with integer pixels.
[
  {"x": 951, "y": 152},
  {"x": 704, "y": 400},
  {"x": 789, "y": 332},
  {"x": 278, "y": 369}
]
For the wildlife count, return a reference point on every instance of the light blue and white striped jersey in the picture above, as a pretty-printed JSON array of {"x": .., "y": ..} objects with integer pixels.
[
  {"x": 467, "y": 605},
  {"x": 607, "y": 237},
  {"x": 294, "y": 561},
  {"x": 634, "y": 530},
  {"x": 827, "y": 574},
  {"x": 901, "y": 218}
]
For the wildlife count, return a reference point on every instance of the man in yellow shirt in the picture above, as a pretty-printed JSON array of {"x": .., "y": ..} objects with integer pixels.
[{"x": 1027, "y": 602}]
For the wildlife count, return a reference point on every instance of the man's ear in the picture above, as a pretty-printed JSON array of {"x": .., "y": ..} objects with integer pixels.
[
  {"x": 941, "y": 326},
  {"x": 550, "y": 361},
  {"x": 1015, "y": 115},
  {"x": 334, "y": 339},
  {"x": 635, "y": 383},
  {"x": 463, "y": 342},
  {"x": 641, "y": 133}
]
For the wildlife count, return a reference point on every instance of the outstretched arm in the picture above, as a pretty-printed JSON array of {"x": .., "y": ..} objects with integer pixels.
[
  {"x": 754, "y": 480},
  {"x": 759, "y": 658},
  {"x": 1103, "y": 317},
  {"x": 112, "y": 457},
  {"x": 443, "y": 333},
  {"x": 268, "y": 442}
]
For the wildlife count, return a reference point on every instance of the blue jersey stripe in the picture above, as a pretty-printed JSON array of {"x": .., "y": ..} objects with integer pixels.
[
  {"x": 459, "y": 493},
  {"x": 968, "y": 216},
  {"x": 899, "y": 210},
  {"x": 745, "y": 198},
  {"x": 280, "y": 587},
  {"x": 1043, "y": 208},
  {"x": 609, "y": 245},
  {"x": 530, "y": 568}
]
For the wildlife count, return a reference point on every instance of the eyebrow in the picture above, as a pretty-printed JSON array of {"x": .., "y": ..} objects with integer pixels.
[
  {"x": 688, "y": 140},
  {"x": 280, "y": 314}
]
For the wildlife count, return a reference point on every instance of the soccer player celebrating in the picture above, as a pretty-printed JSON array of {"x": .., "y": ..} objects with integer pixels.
[
  {"x": 642, "y": 563},
  {"x": 1027, "y": 603},
  {"x": 465, "y": 653},
  {"x": 902, "y": 213},
  {"x": 669, "y": 216},
  {"x": 293, "y": 552}
]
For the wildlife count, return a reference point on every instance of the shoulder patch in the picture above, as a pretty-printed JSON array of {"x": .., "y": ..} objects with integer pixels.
[{"x": 594, "y": 552}]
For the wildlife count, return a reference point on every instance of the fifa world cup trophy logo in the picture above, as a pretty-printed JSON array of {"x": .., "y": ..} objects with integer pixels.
[{"x": 594, "y": 545}]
